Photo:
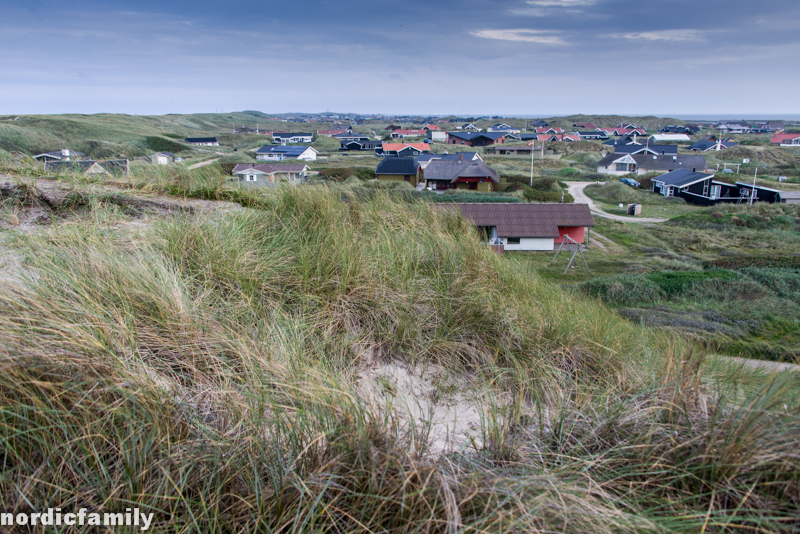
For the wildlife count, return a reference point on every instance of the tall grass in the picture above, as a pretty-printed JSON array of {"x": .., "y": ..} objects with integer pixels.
[{"x": 209, "y": 373}]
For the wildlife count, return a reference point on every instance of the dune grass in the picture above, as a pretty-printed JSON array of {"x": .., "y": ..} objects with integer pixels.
[{"x": 208, "y": 369}]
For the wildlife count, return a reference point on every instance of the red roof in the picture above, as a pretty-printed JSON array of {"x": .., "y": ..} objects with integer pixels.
[{"x": 780, "y": 138}]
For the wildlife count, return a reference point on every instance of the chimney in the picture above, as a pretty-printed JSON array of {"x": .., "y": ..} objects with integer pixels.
[
  {"x": 694, "y": 169},
  {"x": 65, "y": 152},
  {"x": 460, "y": 158}
]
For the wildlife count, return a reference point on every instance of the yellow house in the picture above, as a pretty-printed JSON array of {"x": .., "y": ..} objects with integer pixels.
[{"x": 397, "y": 169}]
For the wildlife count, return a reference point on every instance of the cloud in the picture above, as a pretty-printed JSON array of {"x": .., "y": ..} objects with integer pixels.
[
  {"x": 560, "y": 3},
  {"x": 544, "y": 8},
  {"x": 663, "y": 35},
  {"x": 531, "y": 36}
]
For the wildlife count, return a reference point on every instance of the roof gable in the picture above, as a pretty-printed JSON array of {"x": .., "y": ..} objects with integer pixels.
[
  {"x": 682, "y": 177},
  {"x": 526, "y": 220}
]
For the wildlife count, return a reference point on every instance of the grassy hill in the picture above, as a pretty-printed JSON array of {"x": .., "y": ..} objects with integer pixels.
[
  {"x": 295, "y": 366},
  {"x": 109, "y": 135}
]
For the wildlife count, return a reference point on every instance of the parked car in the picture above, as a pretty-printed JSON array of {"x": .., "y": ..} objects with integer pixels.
[{"x": 630, "y": 181}]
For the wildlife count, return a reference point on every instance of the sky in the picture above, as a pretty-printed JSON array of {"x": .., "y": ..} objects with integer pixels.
[{"x": 430, "y": 57}]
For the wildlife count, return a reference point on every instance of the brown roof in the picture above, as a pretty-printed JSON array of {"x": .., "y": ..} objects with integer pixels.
[
  {"x": 527, "y": 220},
  {"x": 452, "y": 170}
]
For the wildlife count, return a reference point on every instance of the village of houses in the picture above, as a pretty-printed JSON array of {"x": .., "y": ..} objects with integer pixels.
[{"x": 448, "y": 156}]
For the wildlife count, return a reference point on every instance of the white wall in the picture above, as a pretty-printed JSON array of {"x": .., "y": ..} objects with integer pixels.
[{"x": 531, "y": 243}]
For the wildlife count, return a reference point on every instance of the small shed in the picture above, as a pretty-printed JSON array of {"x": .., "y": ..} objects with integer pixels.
[{"x": 790, "y": 197}]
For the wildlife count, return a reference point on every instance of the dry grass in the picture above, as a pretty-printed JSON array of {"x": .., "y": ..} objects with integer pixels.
[{"x": 205, "y": 372}]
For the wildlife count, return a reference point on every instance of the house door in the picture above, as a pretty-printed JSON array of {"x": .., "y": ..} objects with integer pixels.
[{"x": 473, "y": 186}]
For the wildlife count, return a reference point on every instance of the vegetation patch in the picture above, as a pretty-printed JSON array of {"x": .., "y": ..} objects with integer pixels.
[
  {"x": 753, "y": 311},
  {"x": 742, "y": 261},
  {"x": 340, "y": 174},
  {"x": 616, "y": 192},
  {"x": 161, "y": 144},
  {"x": 761, "y": 216}
]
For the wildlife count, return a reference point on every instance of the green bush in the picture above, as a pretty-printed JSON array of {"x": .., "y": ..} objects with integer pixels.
[
  {"x": 740, "y": 262},
  {"x": 532, "y": 195},
  {"x": 674, "y": 283},
  {"x": 623, "y": 290},
  {"x": 160, "y": 144},
  {"x": 462, "y": 196},
  {"x": 638, "y": 289},
  {"x": 569, "y": 171},
  {"x": 340, "y": 174}
]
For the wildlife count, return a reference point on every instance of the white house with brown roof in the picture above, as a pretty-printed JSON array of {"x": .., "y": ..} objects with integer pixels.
[
  {"x": 269, "y": 175},
  {"x": 528, "y": 227}
]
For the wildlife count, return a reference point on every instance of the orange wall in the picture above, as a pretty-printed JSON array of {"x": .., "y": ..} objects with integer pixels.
[{"x": 575, "y": 232}]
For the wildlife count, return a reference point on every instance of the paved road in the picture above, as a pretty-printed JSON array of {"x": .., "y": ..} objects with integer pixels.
[{"x": 576, "y": 190}]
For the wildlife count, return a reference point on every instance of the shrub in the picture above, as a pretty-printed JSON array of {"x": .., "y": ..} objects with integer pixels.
[
  {"x": 463, "y": 196},
  {"x": 638, "y": 289},
  {"x": 674, "y": 283},
  {"x": 532, "y": 195},
  {"x": 623, "y": 290},
  {"x": 740, "y": 262},
  {"x": 340, "y": 174},
  {"x": 160, "y": 144}
]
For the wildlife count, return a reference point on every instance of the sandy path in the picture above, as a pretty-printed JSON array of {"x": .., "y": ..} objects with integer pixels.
[
  {"x": 576, "y": 190},
  {"x": 604, "y": 243},
  {"x": 761, "y": 364},
  {"x": 203, "y": 163}
]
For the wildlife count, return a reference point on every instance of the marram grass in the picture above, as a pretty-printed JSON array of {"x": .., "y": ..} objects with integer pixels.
[{"x": 206, "y": 373}]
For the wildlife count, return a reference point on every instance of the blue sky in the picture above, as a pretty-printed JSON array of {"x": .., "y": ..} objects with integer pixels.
[{"x": 498, "y": 57}]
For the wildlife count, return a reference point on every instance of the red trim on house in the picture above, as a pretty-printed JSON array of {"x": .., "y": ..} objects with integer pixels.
[{"x": 578, "y": 233}]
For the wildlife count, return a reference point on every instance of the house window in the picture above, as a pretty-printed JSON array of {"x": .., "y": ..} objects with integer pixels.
[
  {"x": 513, "y": 241},
  {"x": 716, "y": 191},
  {"x": 406, "y": 178},
  {"x": 251, "y": 177}
]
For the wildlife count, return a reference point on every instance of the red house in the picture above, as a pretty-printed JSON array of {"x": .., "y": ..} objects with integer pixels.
[{"x": 786, "y": 139}]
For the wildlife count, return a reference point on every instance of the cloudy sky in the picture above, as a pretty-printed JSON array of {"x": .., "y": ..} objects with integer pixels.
[{"x": 503, "y": 57}]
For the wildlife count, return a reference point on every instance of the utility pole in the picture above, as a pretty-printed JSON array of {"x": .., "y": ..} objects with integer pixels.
[{"x": 532, "y": 144}]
